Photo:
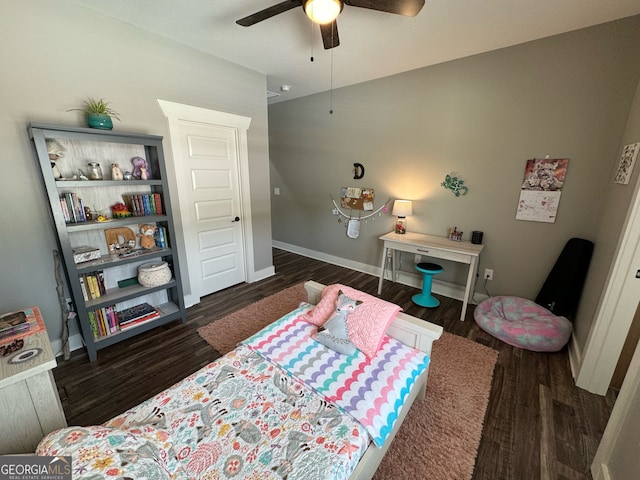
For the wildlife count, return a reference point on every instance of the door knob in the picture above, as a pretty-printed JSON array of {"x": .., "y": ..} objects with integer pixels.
[{"x": 237, "y": 219}]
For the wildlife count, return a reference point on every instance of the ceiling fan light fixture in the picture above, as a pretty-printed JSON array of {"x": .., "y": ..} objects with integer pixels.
[{"x": 323, "y": 11}]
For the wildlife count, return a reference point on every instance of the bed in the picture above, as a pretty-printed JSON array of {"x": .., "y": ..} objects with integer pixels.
[{"x": 282, "y": 405}]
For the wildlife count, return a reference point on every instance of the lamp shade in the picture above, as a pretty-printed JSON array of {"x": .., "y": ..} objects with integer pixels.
[
  {"x": 323, "y": 11},
  {"x": 402, "y": 208}
]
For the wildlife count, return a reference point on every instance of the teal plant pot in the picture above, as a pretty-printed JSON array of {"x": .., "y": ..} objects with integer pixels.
[{"x": 103, "y": 122}]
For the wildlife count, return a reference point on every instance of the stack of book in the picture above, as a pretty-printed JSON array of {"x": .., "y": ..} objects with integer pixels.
[
  {"x": 72, "y": 208},
  {"x": 144, "y": 204},
  {"x": 161, "y": 237},
  {"x": 92, "y": 285},
  {"x": 135, "y": 315},
  {"x": 103, "y": 322},
  {"x": 13, "y": 323}
]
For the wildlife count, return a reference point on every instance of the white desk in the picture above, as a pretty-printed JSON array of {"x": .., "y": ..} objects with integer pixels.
[
  {"x": 29, "y": 403},
  {"x": 435, "y": 247}
]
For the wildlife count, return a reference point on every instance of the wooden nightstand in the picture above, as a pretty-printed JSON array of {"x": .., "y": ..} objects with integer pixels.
[{"x": 29, "y": 403}]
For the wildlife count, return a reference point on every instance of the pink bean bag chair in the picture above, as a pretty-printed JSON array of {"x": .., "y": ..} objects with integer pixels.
[{"x": 523, "y": 323}]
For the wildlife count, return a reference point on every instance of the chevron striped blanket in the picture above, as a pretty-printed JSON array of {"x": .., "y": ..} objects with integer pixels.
[{"x": 372, "y": 391}]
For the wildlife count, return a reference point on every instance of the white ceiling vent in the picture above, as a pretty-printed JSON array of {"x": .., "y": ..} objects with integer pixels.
[{"x": 271, "y": 94}]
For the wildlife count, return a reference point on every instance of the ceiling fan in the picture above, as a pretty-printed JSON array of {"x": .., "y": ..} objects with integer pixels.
[{"x": 325, "y": 12}]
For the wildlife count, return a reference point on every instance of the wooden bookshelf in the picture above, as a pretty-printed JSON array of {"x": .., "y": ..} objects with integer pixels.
[{"x": 83, "y": 145}]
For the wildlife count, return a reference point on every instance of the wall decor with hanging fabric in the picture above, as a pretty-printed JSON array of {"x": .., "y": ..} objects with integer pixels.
[{"x": 359, "y": 200}]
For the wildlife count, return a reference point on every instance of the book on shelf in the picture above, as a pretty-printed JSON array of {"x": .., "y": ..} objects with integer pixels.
[
  {"x": 143, "y": 204},
  {"x": 103, "y": 322},
  {"x": 13, "y": 323},
  {"x": 93, "y": 285},
  {"x": 83, "y": 287},
  {"x": 137, "y": 313},
  {"x": 100, "y": 279},
  {"x": 161, "y": 237},
  {"x": 72, "y": 208},
  {"x": 137, "y": 321},
  {"x": 158, "y": 202}
]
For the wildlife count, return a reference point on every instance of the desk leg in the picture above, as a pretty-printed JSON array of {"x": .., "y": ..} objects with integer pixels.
[
  {"x": 467, "y": 291},
  {"x": 394, "y": 274},
  {"x": 383, "y": 264}
]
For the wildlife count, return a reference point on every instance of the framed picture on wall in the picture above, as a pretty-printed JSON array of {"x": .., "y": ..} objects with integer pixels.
[{"x": 627, "y": 160}]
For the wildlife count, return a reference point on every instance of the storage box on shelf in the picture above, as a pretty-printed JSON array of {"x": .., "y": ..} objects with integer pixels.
[{"x": 87, "y": 212}]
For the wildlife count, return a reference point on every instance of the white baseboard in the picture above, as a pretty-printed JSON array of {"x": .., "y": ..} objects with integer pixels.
[
  {"x": 324, "y": 257},
  {"x": 575, "y": 357},
  {"x": 261, "y": 274},
  {"x": 190, "y": 299},
  {"x": 75, "y": 343},
  {"x": 601, "y": 473},
  {"x": 445, "y": 289}
]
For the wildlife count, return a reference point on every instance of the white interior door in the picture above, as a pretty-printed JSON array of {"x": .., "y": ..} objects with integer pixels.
[{"x": 211, "y": 189}]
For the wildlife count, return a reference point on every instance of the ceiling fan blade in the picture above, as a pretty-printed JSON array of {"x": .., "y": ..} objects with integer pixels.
[
  {"x": 408, "y": 8},
  {"x": 269, "y": 12},
  {"x": 329, "y": 33}
]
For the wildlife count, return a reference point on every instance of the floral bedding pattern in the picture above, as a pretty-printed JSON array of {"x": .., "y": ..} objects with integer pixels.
[
  {"x": 371, "y": 390},
  {"x": 239, "y": 417}
]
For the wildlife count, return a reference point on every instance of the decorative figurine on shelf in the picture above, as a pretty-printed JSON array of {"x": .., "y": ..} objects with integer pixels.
[
  {"x": 95, "y": 171},
  {"x": 139, "y": 164},
  {"x": 144, "y": 175},
  {"x": 116, "y": 173},
  {"x": 120, "y": 210},
  {"x": 87, "y": 213},
  {"x": 455, "y": 234},
  {"x": 147, "y": 235},
  {"x": 127, "y": 175},
  {"x": 56, "y": 152},
  {"x": 120, "y": 240}
]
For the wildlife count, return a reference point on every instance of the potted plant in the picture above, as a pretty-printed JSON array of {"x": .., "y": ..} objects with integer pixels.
[{"x": 98, "y": 113}]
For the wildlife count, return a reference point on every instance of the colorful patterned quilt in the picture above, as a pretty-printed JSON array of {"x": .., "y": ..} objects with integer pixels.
[
  {"x": 370, "y": 390},
  {"x": 239, "y": 417}
]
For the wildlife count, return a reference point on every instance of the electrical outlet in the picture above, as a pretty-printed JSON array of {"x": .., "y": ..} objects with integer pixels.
[
  {"x": 488, "y": 274},
  {"x": 417, "y": 258},
  {"x": 70, "y": 305}
]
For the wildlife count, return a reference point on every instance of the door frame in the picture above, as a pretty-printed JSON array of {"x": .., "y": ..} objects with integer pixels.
[
  {"x": 619, "y": 419},
  {"x": 616, "y": 309},
  {"x": 176, "y": 112}
]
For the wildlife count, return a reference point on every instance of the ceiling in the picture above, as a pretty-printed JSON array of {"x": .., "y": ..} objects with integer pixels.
[{"x": 372, "y": 44}]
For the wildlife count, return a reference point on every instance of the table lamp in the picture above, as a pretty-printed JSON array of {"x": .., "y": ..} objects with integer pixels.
[{"x": 402, "y": 209}]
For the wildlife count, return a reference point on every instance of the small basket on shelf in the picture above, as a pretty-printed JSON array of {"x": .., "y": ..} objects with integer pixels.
[{"x": 154, "y": 274}]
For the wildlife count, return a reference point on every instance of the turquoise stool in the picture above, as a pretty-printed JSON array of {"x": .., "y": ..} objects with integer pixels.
[{"x": 426, "y": 299}]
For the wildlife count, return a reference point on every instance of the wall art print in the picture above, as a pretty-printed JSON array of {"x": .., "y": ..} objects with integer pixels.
[
  {"x": 541, "y": 189},
  {"x": 627, "y": 160}
]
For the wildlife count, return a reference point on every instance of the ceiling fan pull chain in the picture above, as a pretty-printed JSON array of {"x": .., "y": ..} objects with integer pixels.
[
  {"x": 331, "y": 83},
  {"x": 311, "y": 39}
]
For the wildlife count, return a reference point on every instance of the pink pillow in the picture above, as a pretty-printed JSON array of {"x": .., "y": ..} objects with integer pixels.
[{"x": 366, "y": 326}]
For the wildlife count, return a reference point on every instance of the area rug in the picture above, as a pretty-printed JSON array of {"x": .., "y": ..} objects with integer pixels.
[
  {"x": 225, "y": 333},
  {"x": 440, "y": 436}
]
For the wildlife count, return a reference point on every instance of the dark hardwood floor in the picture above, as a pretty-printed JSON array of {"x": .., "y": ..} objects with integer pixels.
[{"x": 538, "y": 424}]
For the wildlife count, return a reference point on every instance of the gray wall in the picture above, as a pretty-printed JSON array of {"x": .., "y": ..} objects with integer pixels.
[
  {"x": 615, "y": 209},
  {"x": 58, "y": 55},
  {"x": 566, "y": 96}
]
